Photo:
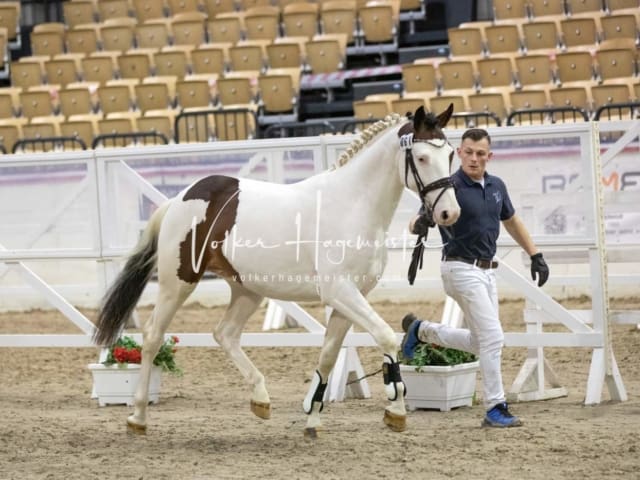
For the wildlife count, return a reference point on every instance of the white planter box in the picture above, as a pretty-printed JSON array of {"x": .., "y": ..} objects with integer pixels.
[
  {"x": 116, "y": 385},
  {"x": 440, "y": 387}
]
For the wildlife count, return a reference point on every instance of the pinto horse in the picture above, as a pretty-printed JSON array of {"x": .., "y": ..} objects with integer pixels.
[{"x": 322, "y": 239}]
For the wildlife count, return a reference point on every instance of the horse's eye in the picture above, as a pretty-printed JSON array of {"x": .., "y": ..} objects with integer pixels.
[{"x": 422, "y": 159}]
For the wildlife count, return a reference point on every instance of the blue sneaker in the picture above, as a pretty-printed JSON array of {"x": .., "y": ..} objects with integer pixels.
[
  {"x": 410, "y": 325},
  {"x": 500, "y": 417}
]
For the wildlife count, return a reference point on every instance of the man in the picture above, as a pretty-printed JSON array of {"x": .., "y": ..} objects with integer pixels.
[{"x": 468, "y": 273}]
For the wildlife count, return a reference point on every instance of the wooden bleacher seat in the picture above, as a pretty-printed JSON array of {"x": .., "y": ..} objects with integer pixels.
[
  {"x": 534, "y": 70},
  {"x": 379, "y": 22},
  {"x": 113, "y": 9},
  {"x": 541, "y": 35},
  {"x": 10, "y": 19},
  {"x": 75, "y": 101},
  {"x": 152, "y": 35},
  {"x": 171, "y": 61},
  {"x": 571, "y": 96},
  {"x": 114, "y": 98},
  {"x": 235, "y": 91},
  {"x": 226, "y": 28},
  {"x": 136, "y": 63},
  {"x": 193, "y": 94},
  {"x": 78, "y": 12},
  {"x": 339, "y": 17},
  {"x": 439, "y": 103},
  {"x": 368, "y": 109},
  {"x": 98, "y": 68},
  {"x": 215, "y": 7},
  {"x": 35, "y": 104},
  {"x": 457, "y": 74},
  {"x": 210, "y": 58},
  {"x": 157, "y": 121},
  {"x": 579, "y": 31},
  {"x": 248, "y": 55},
  {"x": 82, "y": 39},
  {"x": 575, "y": 7},
  {"x": 287, "y": 52},
  {"x": 419, "y": 77},
  {"x": 262, "y": 23},
  {"x": 152, "y": 96},
  {"x": 279, "y": 93},
  {"x": 10, "y": 133},
  {"x": 25, "y": 74},
  {"x": 61, "y": 71},
  {"x": 300, "y": 19},
  {"x": 510, "y": 9},
  {"x": 574, "y": 66},
  {"x": 491, "y": 100},
  {"x": 496, "y": 71},
  {"x": 467, "y": 41},
  {"x": 117, "y": 35},
  {"x": 502, "y": 39},
  {"x": 617, "y": 58},
  {"x": 544, "y": 8},
  {"x": 326, "y": 53},
  {"x": 189, "y": 28},
  {"x": 183, "y": 6},
  {"x": 408, "y": 104}
]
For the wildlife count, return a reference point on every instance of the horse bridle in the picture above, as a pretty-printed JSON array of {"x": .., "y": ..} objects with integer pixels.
[{"x": 406, "y": 142}]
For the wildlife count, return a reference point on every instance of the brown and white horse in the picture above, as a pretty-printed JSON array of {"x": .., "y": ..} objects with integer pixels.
[{"x": 320, "y": 239}]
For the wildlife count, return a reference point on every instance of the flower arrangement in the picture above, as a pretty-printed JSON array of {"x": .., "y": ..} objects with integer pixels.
[
  {"x": 432, "y": 354},
  {"x": 127, "y": 350}
]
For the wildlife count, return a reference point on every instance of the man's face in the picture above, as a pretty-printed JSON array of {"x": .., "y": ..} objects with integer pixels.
[{"x": 474, "y": 157}]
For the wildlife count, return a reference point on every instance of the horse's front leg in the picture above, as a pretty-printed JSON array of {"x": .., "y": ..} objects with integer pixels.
[
  {"x": 345, "y": 297},
  {"x": 337, "y": 328}
]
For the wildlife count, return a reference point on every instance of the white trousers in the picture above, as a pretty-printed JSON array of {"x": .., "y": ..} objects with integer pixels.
[{"x": 474, "y": 289}]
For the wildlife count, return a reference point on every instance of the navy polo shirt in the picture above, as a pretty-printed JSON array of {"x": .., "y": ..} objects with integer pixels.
[{"x": 475, "y": 233}]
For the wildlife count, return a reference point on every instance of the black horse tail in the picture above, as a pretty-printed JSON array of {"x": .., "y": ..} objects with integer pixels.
[{"x": 122, "y": 297}]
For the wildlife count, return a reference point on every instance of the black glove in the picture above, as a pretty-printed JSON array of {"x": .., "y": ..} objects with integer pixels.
[
  {"x": 539, "y": 266},
  {"x": 421, "y": 225}
]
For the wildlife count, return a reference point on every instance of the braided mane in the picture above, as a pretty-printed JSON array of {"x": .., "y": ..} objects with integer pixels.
[{"x": 365, "y": 137}]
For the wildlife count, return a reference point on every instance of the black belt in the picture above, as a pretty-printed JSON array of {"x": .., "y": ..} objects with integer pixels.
[{"x": 478, "y": 262}]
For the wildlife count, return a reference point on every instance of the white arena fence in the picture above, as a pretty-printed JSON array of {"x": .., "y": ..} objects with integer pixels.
[{"x": 68, "y": 218}]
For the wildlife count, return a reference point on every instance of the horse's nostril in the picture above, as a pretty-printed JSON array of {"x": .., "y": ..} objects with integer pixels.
[{"x": 445, "y": 215}]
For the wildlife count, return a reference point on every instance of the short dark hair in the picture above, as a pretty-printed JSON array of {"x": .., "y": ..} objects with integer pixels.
[{"x": 476, "y": 134}]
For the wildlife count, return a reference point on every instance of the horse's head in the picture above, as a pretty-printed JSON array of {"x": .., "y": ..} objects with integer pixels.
[{"x": 427, "y": 166}]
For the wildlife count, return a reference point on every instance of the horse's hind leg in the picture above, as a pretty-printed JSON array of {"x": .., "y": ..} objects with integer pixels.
[
  {"x": 337, "y": 328},
  {"x": 243, "y": 303},
  {"x": 172, "y": 293}
]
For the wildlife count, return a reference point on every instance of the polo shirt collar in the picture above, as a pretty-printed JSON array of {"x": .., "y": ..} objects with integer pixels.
[{"x": 469, "y": 181}]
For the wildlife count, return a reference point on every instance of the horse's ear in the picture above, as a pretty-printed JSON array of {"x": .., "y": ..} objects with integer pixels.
[
  {"x": 444, "y": 117},
  {"x": 419, "y": 118}
]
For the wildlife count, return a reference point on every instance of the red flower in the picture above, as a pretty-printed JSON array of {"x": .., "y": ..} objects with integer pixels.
[
  {"x": 135, "y": 356},
  {"x": 127, "y": 355},
  {"x": 175, "y": 339},
  {"x": 120, "y": 354}
]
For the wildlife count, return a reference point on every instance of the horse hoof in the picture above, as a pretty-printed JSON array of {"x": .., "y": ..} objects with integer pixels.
[
  {"x": 311, "y": 433},
  {"x": 261, "y": 409},
  {"x": 136, "y": 428},
  {"x": 397, "y": 423}
]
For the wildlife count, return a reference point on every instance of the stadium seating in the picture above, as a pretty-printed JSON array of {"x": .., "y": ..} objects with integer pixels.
[{"x": 122, "y": 65}]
